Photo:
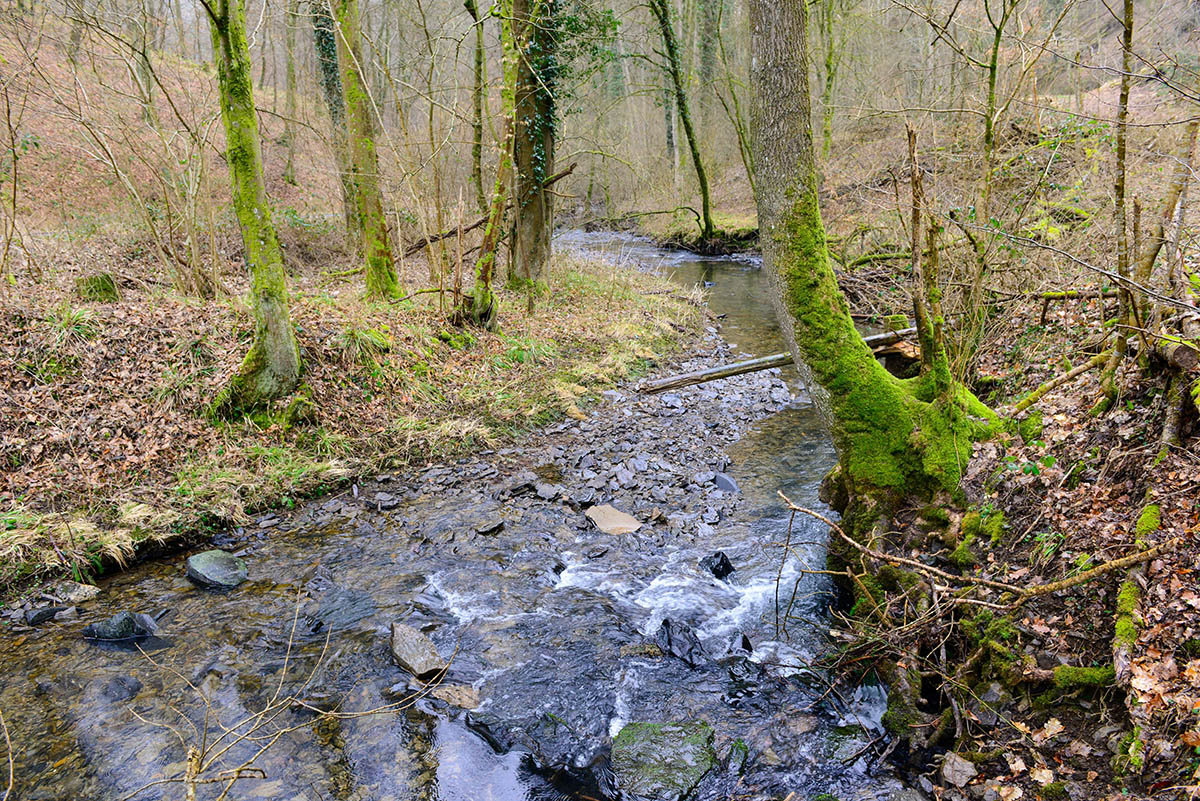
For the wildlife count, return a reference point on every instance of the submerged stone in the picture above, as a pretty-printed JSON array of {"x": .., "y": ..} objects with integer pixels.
[
  {"x": 662, "y": 760},
  {"x": 216, "y": 569},
  {"x": 679, "y": 641},
  {"x": 121, "y": 626},
  {"x": 415, "y": 652}
]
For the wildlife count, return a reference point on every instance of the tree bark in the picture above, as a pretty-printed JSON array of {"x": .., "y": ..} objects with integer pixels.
[
  {"x": 371, "y": 224},
  {"x": 291, "y": 20},
  {"x": 477, "y": 72},
  {"x": 329, "y": 77},
  {"x": 533, "y": 139},
  {"x": 894, "y": 437},
  {"x": 662, "y": 13},
  {"x": 272, "y": 367}
]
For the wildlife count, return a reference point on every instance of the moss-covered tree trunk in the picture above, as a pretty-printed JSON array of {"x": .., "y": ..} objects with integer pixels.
[
  {"x": 894, "y": 437},
  {"x": 272, "y": 367},
  {"x": 533, "y": 138},
  {"x": 329, "y": 77},
  {"x": 364, "y": 161},
  {"x": 480, "y": 307}
]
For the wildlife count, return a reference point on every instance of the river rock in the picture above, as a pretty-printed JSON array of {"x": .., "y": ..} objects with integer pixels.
[
  {"x": 724, "y": 482},
  {"x": 72, "y": 592},
  {"x": 121, "y": 688},
  {"x": 121, "y": 626},
  {"x": 611, "y": 520},
  {"x": 662, "y": 760},
  {"x": 957, "y": 771},
  {"x": 36, "y": 617},
  {"x": 718, "y": 564},
  {"x": 216, "y": 569},
  {"x": 678, "y": 640},
  {"x": 415, "y": 652}
]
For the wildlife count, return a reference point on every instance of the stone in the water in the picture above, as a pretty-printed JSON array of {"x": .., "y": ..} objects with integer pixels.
[
  {"x": 121, "y": 688},
  {"x": 678, "y": 640},
  {"x": 460, "y": 695},
  {"x": 718, "y": 564},
  {"x": 489, "y": 526},
  {"x": 611, "y": 520},
  {"x": 72, "y": 592},
  {"x": 724, "y": 482},
  {"x": 415, "y": 652},
  {"x": 216, "y": 569},
  {"x": 121, "y": 626},
  {"x": 663, "y": 761},
  {"x": 36, "y": 617}
]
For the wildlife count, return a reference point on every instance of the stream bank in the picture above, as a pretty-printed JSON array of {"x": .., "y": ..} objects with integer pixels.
[{"x": 555, "y": 628}]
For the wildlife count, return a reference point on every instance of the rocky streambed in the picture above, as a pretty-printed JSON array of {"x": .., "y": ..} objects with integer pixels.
[{"x": 585, "y": 659}]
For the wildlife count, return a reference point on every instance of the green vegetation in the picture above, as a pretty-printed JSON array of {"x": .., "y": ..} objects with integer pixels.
[
  {"x": 1067, "y": 677},
  {"x": 98, "y": 287}
]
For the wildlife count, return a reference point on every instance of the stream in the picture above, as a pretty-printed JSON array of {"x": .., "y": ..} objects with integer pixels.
[{"x": 550, "y": 624}]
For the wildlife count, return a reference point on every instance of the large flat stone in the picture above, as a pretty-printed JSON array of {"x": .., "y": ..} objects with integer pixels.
[
  {"x": 611, "y": 520},
  {"x": 216, "y": 569},
  {"x": 415, "y": 652},
  {"x": 663, "y": 761}
]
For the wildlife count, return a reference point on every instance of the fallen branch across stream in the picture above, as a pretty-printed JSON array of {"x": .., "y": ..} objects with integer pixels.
[{"x": 755, "y": 365}]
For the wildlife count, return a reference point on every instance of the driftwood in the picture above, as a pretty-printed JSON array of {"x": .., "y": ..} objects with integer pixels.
[
  {"x": 754, "y": 365},
  {"x": 425, "y": 242}
]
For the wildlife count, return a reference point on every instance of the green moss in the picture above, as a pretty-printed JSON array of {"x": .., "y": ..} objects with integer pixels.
[
  {"x": 1067, "y": 677},
  {"x": 1054, "y": 790},
  {"x": 963, "y": 557},
  {"x": 993, "y": 527},
  {"x": 1030, "y": 427},
  {"x": 99, "y": 287},
  {"x": 825, "y": 797},
  {"x": 1125, "y": 629},
  {"x": 1127, "y": 598},
  {"x": 972, "y": 524},
  {"x": 1149, "y": 521},
  {"x": 1191, "y": 647},
  {"x": 894, "y": 579}
]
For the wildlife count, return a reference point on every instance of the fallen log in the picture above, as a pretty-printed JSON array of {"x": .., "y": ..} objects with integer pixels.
[{"x": 754, "y": 365}]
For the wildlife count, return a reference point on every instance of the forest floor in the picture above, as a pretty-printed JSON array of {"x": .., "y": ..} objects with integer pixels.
[{"x": 107, "y": 453}]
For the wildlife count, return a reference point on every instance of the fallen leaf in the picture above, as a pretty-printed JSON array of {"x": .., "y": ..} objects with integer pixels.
[{"x": 1042, "y": 776}]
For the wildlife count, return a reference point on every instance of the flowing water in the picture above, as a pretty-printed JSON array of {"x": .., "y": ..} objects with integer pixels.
[{"x": 548, "y": 620}]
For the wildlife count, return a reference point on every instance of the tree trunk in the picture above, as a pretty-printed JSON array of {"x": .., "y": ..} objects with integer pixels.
[
  {"x": 894, "y": 438},
  {"x": 364, "y": 161},
  {"x": 291, "y": 20},
  {"x": 533, "y": 139},
  {"x": 477, "y": 73},
  {"x": 272, "y": 367},
  {"x": 662, "y": 13},
  {"x": 325, "y": 44}
]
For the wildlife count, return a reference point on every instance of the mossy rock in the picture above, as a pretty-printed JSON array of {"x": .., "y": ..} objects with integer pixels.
[
  {"x": 1030, "y": 427},
  {"x": 98, "y": 287},
  {"x": 963, "y": 557},
  {"x": 301, "y": 411},
  {"x": 662, "y": 760}
]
